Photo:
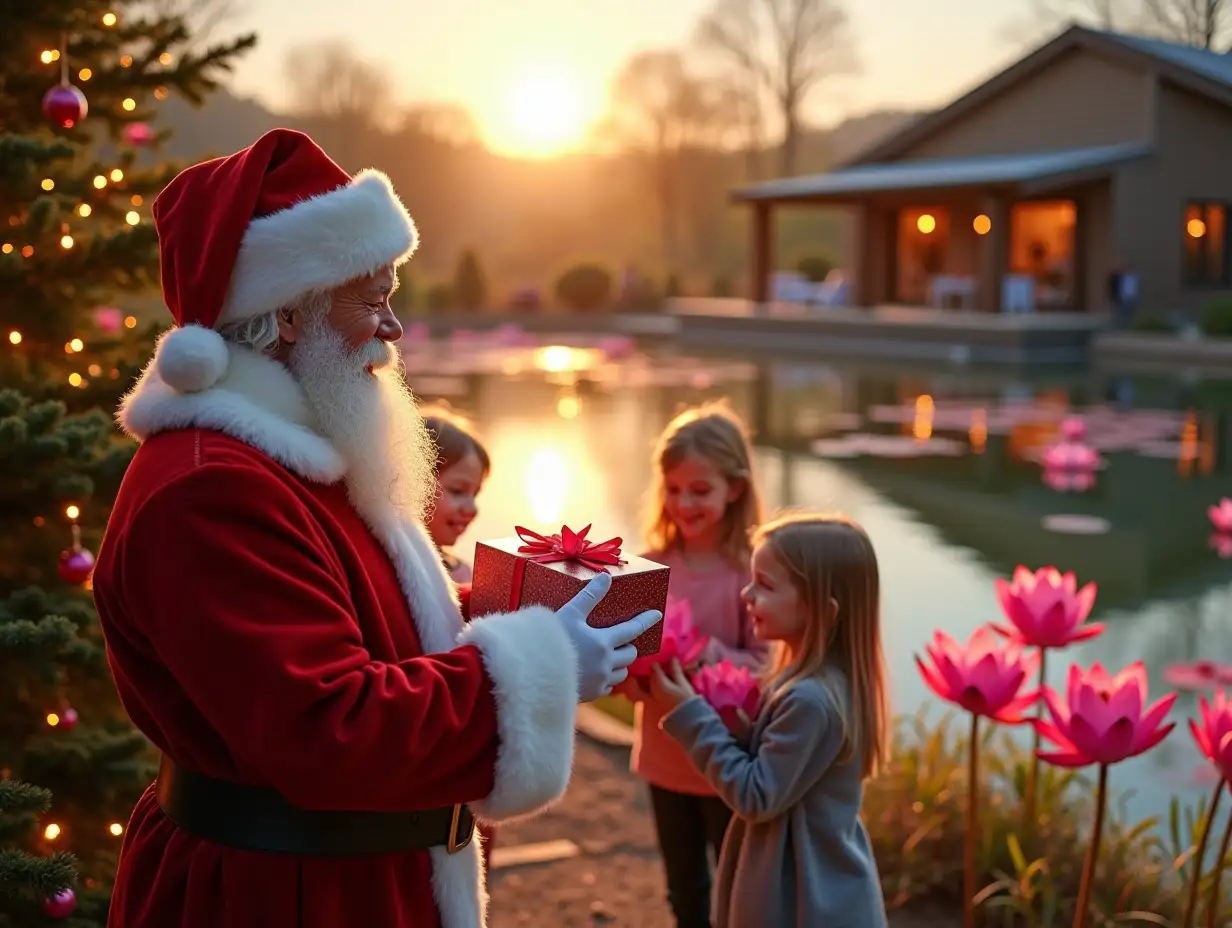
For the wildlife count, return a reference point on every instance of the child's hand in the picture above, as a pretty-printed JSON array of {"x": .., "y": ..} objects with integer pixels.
[{"x": 671, "y": 690}]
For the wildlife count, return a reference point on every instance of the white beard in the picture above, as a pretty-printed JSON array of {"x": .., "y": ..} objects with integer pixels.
[{"x": 367, "y": 412}]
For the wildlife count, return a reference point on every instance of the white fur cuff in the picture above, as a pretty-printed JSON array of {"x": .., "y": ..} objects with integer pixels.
[
  {"x": 191, "y": 358},
  {"x": 534, "y": 680}
]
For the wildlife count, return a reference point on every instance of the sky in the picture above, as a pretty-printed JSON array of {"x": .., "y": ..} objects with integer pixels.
[{"x": 497, "y": 56}]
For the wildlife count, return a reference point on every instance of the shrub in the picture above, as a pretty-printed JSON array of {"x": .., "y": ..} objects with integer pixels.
[
  {"x": 1217, "y": 317},
  {"x": 470, "y": 288},
  {"x": 584, "y": 287}
]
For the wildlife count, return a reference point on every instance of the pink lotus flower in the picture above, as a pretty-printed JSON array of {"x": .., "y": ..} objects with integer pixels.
[
  {"x": 1221, "y": 543},
  {"x": 1073, "y": 429},
  {"x": 1071, "y": 456},
  {"x": 681, "y": 640},
  {"x": 1197, "y": 675},
  {"x": 1214, "y": 735},
  {"x": 1221, "y": 516},
  {"x": 1103, "y": 720},
  {"x": 1063, "y": 481},
  {"x": 1046, "y": 609},
  {"x": 729, "y": 689},
  {"x": 985, "y": 677}
]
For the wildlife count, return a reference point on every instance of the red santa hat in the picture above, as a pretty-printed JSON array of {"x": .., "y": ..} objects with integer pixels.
[{"x": 248, "y": 234}]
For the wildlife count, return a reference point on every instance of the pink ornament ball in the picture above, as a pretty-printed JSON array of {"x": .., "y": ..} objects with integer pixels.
[
  {"x": 108, "y": 319},
  {"x": 68, "y": 720},
  {"x": 61, "y": 905},
  {"x": 138, "y": 134},
  {"x": 64, "y": 106},
  {"x": 75, "y": 566}
]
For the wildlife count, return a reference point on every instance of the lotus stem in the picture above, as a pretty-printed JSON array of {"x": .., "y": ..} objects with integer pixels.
[
  {"x": 1212, "y": 905},
  {"x": 973, "y": 797},
  {"x": 1088, "y": 868},
  {"x": 1191, "y": 904},
  {"x": 1033, "y": 768}
]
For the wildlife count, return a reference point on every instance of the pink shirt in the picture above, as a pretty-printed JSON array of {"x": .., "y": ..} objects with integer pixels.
[{"x": 714, "y": 595}]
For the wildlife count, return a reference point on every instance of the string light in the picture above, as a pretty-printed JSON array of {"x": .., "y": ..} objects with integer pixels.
[
  {"x": 14, "y": 337},
  {"x": 66, "y": 242},
  {"x": 117, "y": 175},
  {"x": 47, "y": 56},
  {"x": 94, "y": 370},
  {"x": 51, "y": 832},
  {"x": 160, "y": 93},
  {"x": 74, "y": 380},
  {"x": 84, "y": 210},
  {"x": 6, "y": 248},
  {"x": 48, "y": 184},
  {"x": 116, "y": 829},
  {"x": 135, "y": 199},
  {"x": 77, "y": 344},
  {"x": 39, "y": 521},
  {"x": 99, "y": 181},
  {"x": 129, "y": 104},
  {"x": 132, "y": 217},
  {"x": 164, "y": 58},
  {"x": 126, "y": 61},
  {"x": 109, "y": 19},
  {"x": 71, "y": 510},
  {"x": 85, "y": 74},
  {"x": 28, "y": 251},
  {"x": 52, "y": 719},
  {"x": 130, "y": 322}
]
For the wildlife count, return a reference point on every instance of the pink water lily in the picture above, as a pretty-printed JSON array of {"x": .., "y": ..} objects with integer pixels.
[
  {"x": 985, "y": 677},
  {"x": 1214, "y": 735},
  {"x": 1221, "y": 515},
  {"x": 1045, "y": 608},
  {"x": 729, "y": 689},
  {"x": 1103, "y": 720},
  {"x": 681, "y": 641},
  {"x": 1197, "y": 675}
]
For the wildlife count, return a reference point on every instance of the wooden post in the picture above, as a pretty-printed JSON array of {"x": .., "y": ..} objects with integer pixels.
[
  {"x": 762, "y": 255},
  {"x": 994, "y": 252}
]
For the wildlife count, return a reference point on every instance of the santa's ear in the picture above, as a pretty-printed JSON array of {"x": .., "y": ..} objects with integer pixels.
[{"x": 290, "y": 322}]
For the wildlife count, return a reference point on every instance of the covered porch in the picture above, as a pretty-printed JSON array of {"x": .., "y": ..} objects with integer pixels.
[{"x": 1017, "y": 233}]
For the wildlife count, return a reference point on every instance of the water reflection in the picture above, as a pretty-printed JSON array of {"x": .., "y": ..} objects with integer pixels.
[{"x": 941, "y": 466}]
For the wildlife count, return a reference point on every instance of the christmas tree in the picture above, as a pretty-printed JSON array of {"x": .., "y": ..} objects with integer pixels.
[{"x": 80, "y": 83}]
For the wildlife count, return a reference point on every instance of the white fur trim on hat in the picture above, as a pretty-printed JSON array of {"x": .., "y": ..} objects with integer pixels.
[
  {"x": 319, "y": 244},
  {"x": 191, "y": 358}
]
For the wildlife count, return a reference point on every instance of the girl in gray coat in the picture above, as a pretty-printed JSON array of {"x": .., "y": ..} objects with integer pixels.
[{"x": 796, "y": 854}]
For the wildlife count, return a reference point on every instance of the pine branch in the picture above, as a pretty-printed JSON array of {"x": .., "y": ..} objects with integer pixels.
[{"x": 23, "y": 875}]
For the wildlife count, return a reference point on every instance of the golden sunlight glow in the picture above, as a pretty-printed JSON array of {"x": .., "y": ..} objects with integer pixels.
[
  {"x": 926, "y": 223},
  {"x": 555, "y": 358},
  {"x": 547, "y": 485},
  {"x": 543, "y": 115},
  {"x": 1196, "y": 228},
  {"x": 982, "y": 224},
  {"x": 568, "y": 406}
]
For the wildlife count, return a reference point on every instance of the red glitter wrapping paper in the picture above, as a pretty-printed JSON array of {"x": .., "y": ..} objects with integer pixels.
[{"x": 637, "y": 585}]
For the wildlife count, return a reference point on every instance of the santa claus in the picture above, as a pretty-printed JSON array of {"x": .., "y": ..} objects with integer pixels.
[{"x": 278, "y": 622}]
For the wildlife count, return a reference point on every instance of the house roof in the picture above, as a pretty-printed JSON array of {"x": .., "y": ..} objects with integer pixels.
[
  {"x": 1016, "y": 170},
  {"x": 1196, "y": 69}
]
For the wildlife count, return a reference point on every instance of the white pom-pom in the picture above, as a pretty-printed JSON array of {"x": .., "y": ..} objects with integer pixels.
[{"x": 191, "y": 358}]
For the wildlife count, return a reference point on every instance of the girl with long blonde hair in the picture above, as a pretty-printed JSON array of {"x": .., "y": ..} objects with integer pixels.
[
  {"x": 797, "y": 853},
  {"x": 703, "y": 503}
]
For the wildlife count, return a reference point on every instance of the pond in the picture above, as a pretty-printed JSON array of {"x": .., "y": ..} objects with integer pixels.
[{"x": 939, "y": 465}]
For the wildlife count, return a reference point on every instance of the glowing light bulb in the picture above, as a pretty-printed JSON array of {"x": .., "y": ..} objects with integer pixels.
[
  {"x": 6, "y": 248},
  {"x": 130, "y": 322},
  {"x": 28, "y": 251},
  {"x": 135, "y": 199},
  {"x": 117, "y": 175},
  {"x": 94, "y": 370},
  {"x": 160, "y": 93},
  {"x": 52, "y": 719},
  {"x": 85, "y": 209},
  {"x": 132, "y": 217},
  {"x": 100, "y": 182},
  {"x": 46, "y": 56},
  {"x": 51, "y": 832},
  {"x": 116, "y": 829},
  {"x": 126, "y": 61},
  {"x": 48, "y": 184},
  {"x": 74, "y": 380},
  {"x": 72, "y": 511},
  {"x": 77, "y": 344},
  {"x": 84, "y": 74},
  {"x": 164, "y": 58},
  {"x": 926, "y": 223},
  {"x": 14, "y": 337},
  {"x": 66, "y": 241},
  {"x": 109, "y": 19},
  {"x": 129, "y": 104}
]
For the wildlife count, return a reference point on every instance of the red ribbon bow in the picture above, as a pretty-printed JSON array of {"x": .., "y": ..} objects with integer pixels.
[{"x": 569, "y": 546}]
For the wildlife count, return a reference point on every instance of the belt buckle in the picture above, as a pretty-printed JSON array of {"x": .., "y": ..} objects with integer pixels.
[{"x": 454, "y": 845}]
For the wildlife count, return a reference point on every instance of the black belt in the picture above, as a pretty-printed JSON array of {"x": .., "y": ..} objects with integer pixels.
[{"x": 260, "y": 819}]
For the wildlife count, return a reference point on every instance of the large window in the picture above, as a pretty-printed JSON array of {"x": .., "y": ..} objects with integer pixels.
[
  {"x": 1206, "y": 245},
  {"x": 1042, "y": 235}
]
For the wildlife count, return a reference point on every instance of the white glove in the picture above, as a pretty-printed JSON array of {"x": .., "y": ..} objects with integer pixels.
[{"x": 603, "y": 654}]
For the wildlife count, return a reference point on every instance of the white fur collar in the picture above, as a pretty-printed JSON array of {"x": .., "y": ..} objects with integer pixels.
[{"x": 257, "y": 402}]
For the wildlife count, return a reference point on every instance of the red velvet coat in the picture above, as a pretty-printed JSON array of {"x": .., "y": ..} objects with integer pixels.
[{"x": 259, "y": 630}]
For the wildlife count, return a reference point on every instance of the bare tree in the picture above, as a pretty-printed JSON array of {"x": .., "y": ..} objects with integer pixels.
[
  {"x": 446, "y": 122},
  {"x": 786, "y": 49},
  {"x": 203, "y": 17},
  {"x": 1201, "y": 23},
  {"x": 663, "y": 111}
]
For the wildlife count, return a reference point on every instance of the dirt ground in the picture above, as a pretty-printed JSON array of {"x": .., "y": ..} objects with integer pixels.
[{"x": 616, "y": 881}]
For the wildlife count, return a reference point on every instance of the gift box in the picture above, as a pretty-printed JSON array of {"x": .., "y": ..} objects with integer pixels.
[
  {"x": 549, "y": 570},
  {"x": 681, "y": 641}
]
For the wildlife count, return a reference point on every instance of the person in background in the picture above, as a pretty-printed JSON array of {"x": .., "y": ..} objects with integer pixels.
[
  {"x": 797, "y": 854},
  {"x": 703, "y": 504},
  {"x": 462, "y": 466}
]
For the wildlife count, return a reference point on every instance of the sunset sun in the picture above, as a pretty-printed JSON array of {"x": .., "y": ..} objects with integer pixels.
[{"x": 543, "y": 115}]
